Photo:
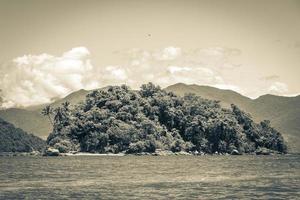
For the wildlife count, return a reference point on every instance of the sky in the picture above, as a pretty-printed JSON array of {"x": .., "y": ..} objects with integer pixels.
[{"x": 51, "y": 48}]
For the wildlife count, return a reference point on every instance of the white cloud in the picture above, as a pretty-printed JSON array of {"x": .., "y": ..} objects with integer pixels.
[
  {"x": 192, "y": 74},
  {"x": 115, "y": 72},
  {"x": 77, "y": 53},
  {"x": 228, "y": 87},
  {"x": 168, "y": 53},
  {"x": 172, "y": 65},
  {"x": 278, "y": 88},
  {"x": 176, "y": 69},
  {"x": 36, "y": 79}
]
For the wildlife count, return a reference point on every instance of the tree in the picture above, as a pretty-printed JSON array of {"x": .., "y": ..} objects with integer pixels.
[
  {"x": 118, "y": 119},
  {"x": 48, "y": 111},
  {"x": 66, "y": 106}
]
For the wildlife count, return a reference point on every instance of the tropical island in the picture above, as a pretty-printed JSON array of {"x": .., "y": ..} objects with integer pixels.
[{"x": 117, "y": 119}]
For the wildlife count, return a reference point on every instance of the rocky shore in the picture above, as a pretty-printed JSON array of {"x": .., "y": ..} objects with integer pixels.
[{"x": 55, "y": 152}]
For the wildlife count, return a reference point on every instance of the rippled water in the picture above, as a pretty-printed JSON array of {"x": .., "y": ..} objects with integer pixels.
[{"x": 144, "y": 177}]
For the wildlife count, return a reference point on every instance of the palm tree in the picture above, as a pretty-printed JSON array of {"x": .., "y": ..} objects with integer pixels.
[
  {"x": 66, "y": 105},
  {"x": 59, "y": 115},
  {"x": 47, "y": 111}
]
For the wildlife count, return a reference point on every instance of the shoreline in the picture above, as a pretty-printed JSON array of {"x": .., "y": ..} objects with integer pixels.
[
  {"x": 79, "y": 154},
  {"x": 92, "y": 154}
]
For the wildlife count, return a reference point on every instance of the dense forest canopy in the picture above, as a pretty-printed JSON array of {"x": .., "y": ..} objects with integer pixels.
[
  {"x": 13, "y": 139},
  {"x": 118, "y": 119}
]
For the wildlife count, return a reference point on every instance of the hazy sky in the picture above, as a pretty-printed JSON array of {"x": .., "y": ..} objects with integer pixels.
[{"x": 50, "y": 48}]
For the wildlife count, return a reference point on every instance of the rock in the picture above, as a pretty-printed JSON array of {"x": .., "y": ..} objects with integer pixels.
[
  {"x": 182, "y": 153},
  {"x": 263, "y": 151},
  {"x": 73, "y": 152},
  {"x": 35, "y": 153},
  {"x": 51, "y": 152},
  {"x": 159, "y": 152},
  {"x": 143, "y": 154},
  {"x": 195, "y": 153},
  {"x": 235, "y": 152}
]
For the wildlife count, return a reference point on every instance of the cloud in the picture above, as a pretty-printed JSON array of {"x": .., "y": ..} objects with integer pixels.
[
  {"x": 229, "y": 87},
  {"x": 278, "y": 88},
  {"x": 38, "y": 79},
  {"x": 176, "y": 69},
  {"x": 173, "y": 64},
  {"x": 218, "y": 58},
  {"x": 35, "y": 79},
  {"x": 271, "y": 78},
  {"x": 168, "y": 53}
]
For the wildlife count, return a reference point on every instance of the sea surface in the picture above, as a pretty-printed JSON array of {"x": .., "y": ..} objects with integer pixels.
[{"x": 150, "y": 177}]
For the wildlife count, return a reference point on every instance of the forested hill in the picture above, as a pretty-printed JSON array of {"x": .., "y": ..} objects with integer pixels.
[
  {"x": 117, "y": 119},
  {"x": 283, "y": 112},
  {"x": 16, "y": 140}
]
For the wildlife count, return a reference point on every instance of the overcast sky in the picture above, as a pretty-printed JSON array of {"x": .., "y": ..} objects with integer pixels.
[{"x": 50, "y": 48}]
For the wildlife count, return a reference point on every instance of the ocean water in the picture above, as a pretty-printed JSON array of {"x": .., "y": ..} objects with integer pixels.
[{"x": 150, "y": 177}]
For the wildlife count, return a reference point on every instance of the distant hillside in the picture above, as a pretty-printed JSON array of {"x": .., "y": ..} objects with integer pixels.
[
  {"x": 226, "y": 97},
  {"x": 283, "y": 112},
  {"x": 16, "y": 140},
  {"x": 73, "y": 98},
  {"x": 32, "y": 121}
]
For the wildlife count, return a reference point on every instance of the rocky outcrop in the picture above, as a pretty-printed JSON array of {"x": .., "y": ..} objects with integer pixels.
[
  {"x": 264, "y": 151},
  {"x": 51, "y": 152},
  {"x": 235, "y": 152}
]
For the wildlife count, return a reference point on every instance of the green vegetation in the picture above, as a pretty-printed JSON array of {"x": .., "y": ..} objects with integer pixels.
[
  {"x": 117, "y": 119},
  {"x": 16, "y": 140},
  {"x": 283, "y": 112}
]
